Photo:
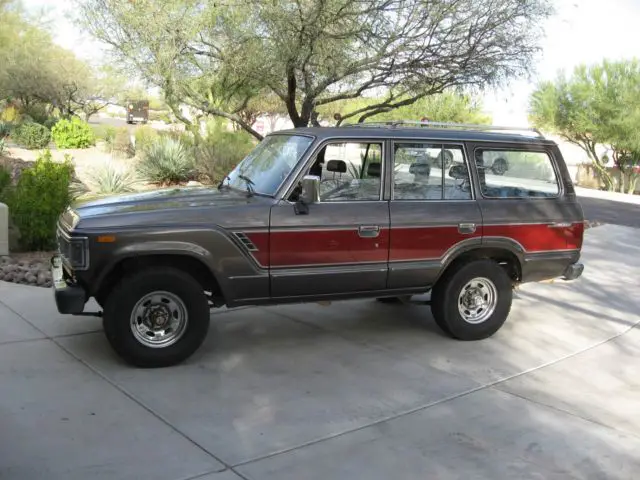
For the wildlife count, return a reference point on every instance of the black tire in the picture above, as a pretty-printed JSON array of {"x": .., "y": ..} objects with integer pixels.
[
  {"x": 499, "y": 167},
  {"x": 125, "y": 295},
  {"x": 445, "y": 296}
]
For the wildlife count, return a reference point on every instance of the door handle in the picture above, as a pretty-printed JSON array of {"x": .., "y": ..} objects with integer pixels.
[
  {"x": 369, "y": 231},
  {"x": 466, "y": 228},
  {"x": 560, "y": 225}
]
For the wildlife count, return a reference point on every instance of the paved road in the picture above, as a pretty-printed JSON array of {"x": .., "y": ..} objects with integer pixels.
[
  {"x": 612, "y": 212},
  {"x": 351, "y": 390}
]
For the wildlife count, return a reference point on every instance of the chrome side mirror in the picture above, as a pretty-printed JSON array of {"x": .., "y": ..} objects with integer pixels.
[{"x": 310, "y": 189}]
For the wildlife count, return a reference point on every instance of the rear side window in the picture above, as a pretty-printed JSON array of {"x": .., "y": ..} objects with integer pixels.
[
  {"x": 425, "y": 171},
  {"x": 516, "y": 174}
]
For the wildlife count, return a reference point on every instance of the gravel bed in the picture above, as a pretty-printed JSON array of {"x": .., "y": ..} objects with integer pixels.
[{"x": 26, "y": 269}]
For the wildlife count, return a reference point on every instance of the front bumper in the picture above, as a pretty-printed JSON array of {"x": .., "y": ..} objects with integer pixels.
[
  {"x": 70, "y": 298},
  {"x": 573, "y": 271}
]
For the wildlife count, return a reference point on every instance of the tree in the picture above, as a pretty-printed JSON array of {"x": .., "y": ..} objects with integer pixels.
[
  {"x": 448, "y": 107},
  {"x": 597, "y": 105},
  {"x": 217, "y": 56}
]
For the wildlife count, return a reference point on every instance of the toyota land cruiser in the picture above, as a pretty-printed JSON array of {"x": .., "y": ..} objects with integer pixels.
[{"x": 317, "y": 214}]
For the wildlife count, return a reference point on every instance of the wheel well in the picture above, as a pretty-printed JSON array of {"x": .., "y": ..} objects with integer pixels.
[
  {"x": 505, "y": 258},
  {"x": 194, "y": 267}
]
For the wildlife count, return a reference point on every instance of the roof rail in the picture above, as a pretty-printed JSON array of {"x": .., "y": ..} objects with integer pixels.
[{"x": 444, "y": 125}]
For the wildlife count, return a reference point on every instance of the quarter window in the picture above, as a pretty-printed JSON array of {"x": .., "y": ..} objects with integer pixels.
[
  {"x": 516, "y": 174},
  {"x": 428, "y": 171}
]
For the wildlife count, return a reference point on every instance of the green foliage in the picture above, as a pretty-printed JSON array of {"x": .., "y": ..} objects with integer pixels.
[
  {"x": 31, "y": 135},
  {"x": 41, "y": 195},
  {"x": 109, "y": 180},
  {"x": 5, "y": 183},
  {"x": 72, "y": 133},
  {"x": 37, "y": 112},
  {"x": 166, "y": 162},
  {"x": 120, "y": 144},
  {"x": 597, "y": 105},
  {"x": 10, "y": 115},
  {"x": 304, "y": 55},
  {"x": 5, "y": 129},
  {"x": 145, "y": 136},
  {"x": 3, "y": 147},
  {"x": 220, "y": 151}
]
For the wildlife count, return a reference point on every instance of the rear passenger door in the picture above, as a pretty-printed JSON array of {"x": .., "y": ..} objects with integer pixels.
[
  {"x": 524, "y": 202},
  {"x": 432, "y": 214}
]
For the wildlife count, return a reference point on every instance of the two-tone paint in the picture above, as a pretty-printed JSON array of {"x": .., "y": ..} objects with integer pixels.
[{"x": 261, "y": 251}]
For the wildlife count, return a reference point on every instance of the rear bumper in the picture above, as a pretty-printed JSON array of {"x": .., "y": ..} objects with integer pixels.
[
  {"x": 70, "y": 299},
  {"x": 573, "y": 271}
]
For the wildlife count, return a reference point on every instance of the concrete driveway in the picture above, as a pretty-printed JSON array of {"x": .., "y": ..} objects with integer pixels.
[{"x": 353, "y": 390}]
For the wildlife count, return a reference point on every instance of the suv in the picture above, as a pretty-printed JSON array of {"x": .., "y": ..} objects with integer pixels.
[{"x": 318, "y": 214}]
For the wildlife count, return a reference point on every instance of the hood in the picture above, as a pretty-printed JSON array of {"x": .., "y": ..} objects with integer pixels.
[{"x": 157, "y": 206}]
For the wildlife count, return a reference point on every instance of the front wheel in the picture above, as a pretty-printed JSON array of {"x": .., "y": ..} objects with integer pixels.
[
  {"x": 473, "y": 300},
  {"x": 156, "y": 318}
]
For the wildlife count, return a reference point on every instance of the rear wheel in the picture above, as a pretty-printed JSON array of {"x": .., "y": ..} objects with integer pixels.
[
  {"x": 473, "y": 300},
  {"x": 156, "y": 318}
]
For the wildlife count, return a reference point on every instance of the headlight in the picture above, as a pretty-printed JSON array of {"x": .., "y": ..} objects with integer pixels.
[{"x": 75, "y": 250}]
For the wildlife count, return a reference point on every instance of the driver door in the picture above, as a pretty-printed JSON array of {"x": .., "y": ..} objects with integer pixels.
[{"x": 341, "y": 246}]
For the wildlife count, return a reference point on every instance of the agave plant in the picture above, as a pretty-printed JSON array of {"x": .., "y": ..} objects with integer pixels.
[
  {"x": 166, "y": 162},
  {"x": 109, "y": 180}
]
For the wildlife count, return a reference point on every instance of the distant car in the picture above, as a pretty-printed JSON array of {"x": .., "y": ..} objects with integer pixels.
[
  {"x": 285, "y": 226},
  {"x": 137, "y": 111}
]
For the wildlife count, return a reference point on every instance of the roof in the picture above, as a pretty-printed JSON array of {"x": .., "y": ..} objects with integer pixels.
[{"x": 430, "y": 131}]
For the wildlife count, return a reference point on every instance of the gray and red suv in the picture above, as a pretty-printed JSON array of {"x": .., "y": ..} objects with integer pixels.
[{"x": 382, "y": 211}]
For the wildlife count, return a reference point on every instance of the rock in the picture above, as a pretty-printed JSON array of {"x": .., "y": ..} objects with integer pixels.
[
  {"x": 193, "y": 183},
  {"x": 1, "y": 275},
  {"x": 19, "y": 276},
  {"x": 10, "y": 268},
  {"x": 31, "y": 278},
  {"x": 5, "y": 260},
  {"x": 42, "y": 278},
  {"x": 9, "y": 277}
]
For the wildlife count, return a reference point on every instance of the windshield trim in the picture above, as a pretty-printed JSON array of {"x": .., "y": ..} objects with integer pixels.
[{"x": 302, "y": 159}]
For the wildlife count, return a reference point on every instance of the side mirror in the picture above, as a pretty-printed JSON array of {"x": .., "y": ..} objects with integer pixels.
[
  {"x": 310, "y": 194},
  {"x": 458, "y": 172}
]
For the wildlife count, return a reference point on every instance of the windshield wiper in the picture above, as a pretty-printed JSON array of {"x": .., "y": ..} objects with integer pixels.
[{"x": 249, "y": 182}]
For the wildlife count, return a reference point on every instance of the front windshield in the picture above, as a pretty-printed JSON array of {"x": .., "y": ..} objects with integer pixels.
[{"x": 269, "y": 164}]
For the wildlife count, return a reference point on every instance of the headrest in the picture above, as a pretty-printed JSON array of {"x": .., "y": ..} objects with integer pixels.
[
  {"x": 420, "y": 169},
  {"x": 373, "y": 170},
  {"x": 336, "y": 166}
]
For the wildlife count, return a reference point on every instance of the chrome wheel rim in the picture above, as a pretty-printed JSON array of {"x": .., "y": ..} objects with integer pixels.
[
  {"x": 477, "y": 300},
  {"x": 159, "y": 319}
]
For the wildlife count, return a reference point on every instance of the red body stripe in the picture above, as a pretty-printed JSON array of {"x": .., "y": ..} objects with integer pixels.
[
  {"x": 424, "y": 243},
  {"x": 323, "y": 247}
]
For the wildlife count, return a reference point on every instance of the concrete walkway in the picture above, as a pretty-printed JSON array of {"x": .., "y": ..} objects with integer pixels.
[{"x": 355, "y": 390}]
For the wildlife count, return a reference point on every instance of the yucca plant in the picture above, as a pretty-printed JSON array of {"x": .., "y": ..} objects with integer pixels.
[
  {"x": 166, "y": 162},
  {"x": 110, "y": 180}
]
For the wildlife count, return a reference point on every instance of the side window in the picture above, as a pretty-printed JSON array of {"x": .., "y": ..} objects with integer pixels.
[
  {"x": 350, "y": 172},
  {"x": 512, "y": 173},
  {"x": 428, "y": 171}
]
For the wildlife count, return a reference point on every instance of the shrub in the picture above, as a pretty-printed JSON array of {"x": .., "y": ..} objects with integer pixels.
[
  {"x": 50, "y": 122},
  {"x": 5, "y": 129},
  {"x": 108, "y": 180},
  {"x": 120, "y": 145},
  {"x": 5, "y": 182},
  {"x": 31, "y": 135},
  {"x": 3, "y": 147},
  {"x": 72, "y": 133},
  {"x": 10, "y": 115},
  {"x": 144, "y": 137},
  {"x": 220, "y": 152},
  {"x": 36, "y": 202},
  {"x": 37, "y": 113},
  {"x": 166, "y": 162}
]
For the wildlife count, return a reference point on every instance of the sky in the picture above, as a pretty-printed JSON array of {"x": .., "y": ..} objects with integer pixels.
[{"x": 581, "y": 31}]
